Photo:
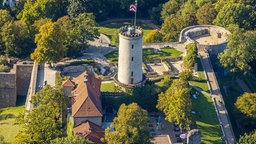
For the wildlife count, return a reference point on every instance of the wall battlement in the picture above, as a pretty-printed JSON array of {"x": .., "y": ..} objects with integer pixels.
[{"x": 130, "y": 31}]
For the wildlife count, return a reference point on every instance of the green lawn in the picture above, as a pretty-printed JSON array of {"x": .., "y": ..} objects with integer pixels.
[
  {"x": 107, "y": 87},
  {"x": 201, "y": 84},
  {"x": 9, "y": 128},
  {"x": 148, "y": 54},
  {"x": 207, "y": 122},
  {"x": 110, "y": 28},
  {"x": 163, "y": 54}
]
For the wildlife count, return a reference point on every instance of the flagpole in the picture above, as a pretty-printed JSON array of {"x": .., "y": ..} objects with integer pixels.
[{"x": 136, "y": 3}]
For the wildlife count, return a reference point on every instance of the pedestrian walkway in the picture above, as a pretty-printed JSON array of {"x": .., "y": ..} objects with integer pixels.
[{"x": 217, "y": 99}]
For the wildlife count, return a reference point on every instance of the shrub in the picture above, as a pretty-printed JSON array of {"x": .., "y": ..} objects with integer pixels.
[
  {"x": 4, "y": 68},
  {"x": 186, "y": 75},
  {"x": 153, "y": 37}
]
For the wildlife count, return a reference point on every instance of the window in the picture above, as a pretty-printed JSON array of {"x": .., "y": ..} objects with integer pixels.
[
  {"x": 131, "y": 73},
  {"x": 131, "y": 80},
  {"x": 132, "y": 46},
  {"x": 132, "y": 58}
]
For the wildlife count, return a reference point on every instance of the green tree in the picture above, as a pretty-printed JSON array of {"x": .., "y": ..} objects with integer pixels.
[
  {"x": 130, "y": 126},
  {"x": 191, "y": 55},
  {"x": 189, "y": 8},
  {"x": 200, "y": 3},
  {"x": 173, "y": 24},
  {"x": 155, "y": 14},
  {"x": 71, "y": 140},
  {"x": 236, "y": 13},
  {"x": 86, "y": 28},
  {"x": 5, "y": 17},
  {"x": 50, "y": 43},
  {"x": 240, "y": 51},
  {"x": 75, "y": 7},
  {"x": 248, "y": 138},
  {"x": 246, "y": 104},
  {"x": 176, "y": 103},
  {"x": 170, "y": 7},
  {"x": 146, "y": 96},
  {"x": 206, "y": 14},
  {"x": 43, "y": 123},
  {"x": 153, "y": 37},
  {"x": 37, "y": 9},
  {"x": 72, "y": 43}
]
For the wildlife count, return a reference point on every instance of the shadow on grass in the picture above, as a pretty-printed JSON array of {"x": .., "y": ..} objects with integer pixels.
[{"x": 6, "y": 116}]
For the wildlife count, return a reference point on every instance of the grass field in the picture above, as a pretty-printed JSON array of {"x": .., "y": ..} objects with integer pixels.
[
  {"x": 207, "y": 121},
  {"x": 201, "y": 84},
  {"x": 8, "y": 126},
  {"x": 107, "y": 87},
  {"x": 148, "y": 54},
  {"x": 110, "y": 28}
]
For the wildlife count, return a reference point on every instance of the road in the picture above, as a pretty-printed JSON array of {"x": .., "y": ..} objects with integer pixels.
[{"x": 217, "y": 99}]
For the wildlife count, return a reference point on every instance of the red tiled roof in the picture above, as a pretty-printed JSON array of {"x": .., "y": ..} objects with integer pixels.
[
  {"x": 90, "y": 131},
  {"x": 86, "y": 96},
  {"x": 68, "y": 83}
]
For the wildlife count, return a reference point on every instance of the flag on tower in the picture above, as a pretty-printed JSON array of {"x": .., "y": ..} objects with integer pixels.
[{"x": 133, "y": 7}]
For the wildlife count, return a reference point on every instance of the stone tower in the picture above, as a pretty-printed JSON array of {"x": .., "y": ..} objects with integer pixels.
[{"x": 130, "y": 55}]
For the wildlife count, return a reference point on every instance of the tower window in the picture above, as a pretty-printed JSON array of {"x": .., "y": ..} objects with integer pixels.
[
  {"x": 132, "y": 58},
  {"x": 132, "y": 46},
  {"x": 131, "y": 73}
]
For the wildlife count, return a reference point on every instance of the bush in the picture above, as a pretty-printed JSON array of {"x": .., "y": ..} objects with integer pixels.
[
  {"x": 186, "y": 75},
  {"x": 4, "y": 68},
  {"x": 191, "y": 56},
  {"x": 153, "y": 37}
]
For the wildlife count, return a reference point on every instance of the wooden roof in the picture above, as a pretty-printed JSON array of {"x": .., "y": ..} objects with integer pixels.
[
  {"x": 90, "y": 131},
  {"x": 86, "y": 96}
]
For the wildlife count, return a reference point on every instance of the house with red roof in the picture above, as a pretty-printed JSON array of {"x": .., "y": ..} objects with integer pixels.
[{"x": 86, "y": 109}]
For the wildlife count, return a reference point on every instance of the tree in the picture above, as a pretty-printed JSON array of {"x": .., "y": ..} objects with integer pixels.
[
  {"x": 50, "y": 43},
  {"x": 170, "y": 7},
  {"x": 240, "y": 51},
  {"x": 246, "y": 104},
  {"x": 85, "y": 26},
  {"x": 75, "y": 7},
  {"x": 153, "y": 37},
  {"x": 206, "y": 14},
  {"x": 130, "y": 126},
  {"x": 176, "y": 103},
  {"x": 72, "y": 43},
  {"x": 248, "y": 138},
  {"x": 5, "y": 17},
  {"x": 37, "y": 9},
  {"x": 236, "y": 13},
  {"x": 71, "y": 140},
  {"x": 200, "y": 3},
  {"x": 155, "y": 14},
  {"x": 43, "y": 123},
  {"x": 191, "y": 55},
  {"x": 146, "y": 96},
  {"x": 173, "y": 24}
]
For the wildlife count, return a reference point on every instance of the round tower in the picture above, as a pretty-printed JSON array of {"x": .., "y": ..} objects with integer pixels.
[{"x": 130, "y": 55}]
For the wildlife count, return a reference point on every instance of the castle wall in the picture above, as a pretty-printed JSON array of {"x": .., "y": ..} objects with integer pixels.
[
  {"x": 8, "y": 93},
  {"x": 23, "y": 78}
]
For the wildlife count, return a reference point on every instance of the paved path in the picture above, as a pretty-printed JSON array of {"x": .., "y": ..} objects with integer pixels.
[{"x": 217, "y": 99}]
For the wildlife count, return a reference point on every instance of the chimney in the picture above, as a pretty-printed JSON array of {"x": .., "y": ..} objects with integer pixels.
[{"x": 85, "y": 78}]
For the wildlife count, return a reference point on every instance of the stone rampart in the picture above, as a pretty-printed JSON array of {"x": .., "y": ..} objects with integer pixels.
[
  {"x": 189, "y": 34},
  {"x": 8, "y": 92},
  {"x": 23, "y": 72}
]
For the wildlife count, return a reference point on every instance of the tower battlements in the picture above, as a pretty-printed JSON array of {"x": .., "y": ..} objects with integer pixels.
[{"x": 130, "y": 31}]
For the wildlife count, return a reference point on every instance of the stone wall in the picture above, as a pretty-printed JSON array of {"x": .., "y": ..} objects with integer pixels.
[
  {"x": 7, "y": 89},
  {"x": 14, "y": 83},
  {"x": 23, "y": 78}
]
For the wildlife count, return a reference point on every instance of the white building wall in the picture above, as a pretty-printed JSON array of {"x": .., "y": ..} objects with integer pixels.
[{"x": 130, "y": 59}]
